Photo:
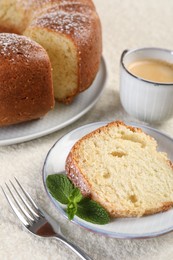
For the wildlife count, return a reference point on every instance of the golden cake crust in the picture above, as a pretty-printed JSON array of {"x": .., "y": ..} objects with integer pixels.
[{"x": 26, "y": 91}]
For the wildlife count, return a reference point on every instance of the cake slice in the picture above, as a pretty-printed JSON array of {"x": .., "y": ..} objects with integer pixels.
[{"x": 119, "y": 167}]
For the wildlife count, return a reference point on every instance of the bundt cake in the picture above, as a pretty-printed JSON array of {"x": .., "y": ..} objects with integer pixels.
[
  {"x": 26, "y": 90},
  {"x": 119, "y": 167},
  {"x": 70, "y": 32}
]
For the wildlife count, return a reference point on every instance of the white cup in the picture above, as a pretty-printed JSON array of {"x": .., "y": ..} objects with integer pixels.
[{"x": 145, "y": 100}]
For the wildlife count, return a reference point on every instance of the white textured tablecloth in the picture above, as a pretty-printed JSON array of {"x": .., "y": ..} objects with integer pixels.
[{"x": 126, "y": 24}]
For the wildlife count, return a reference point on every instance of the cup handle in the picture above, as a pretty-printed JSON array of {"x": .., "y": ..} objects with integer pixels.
[{"x": 122, "y": 55}]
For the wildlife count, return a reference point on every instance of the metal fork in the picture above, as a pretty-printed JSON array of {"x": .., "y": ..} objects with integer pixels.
[{"x": 35, "y": 219}]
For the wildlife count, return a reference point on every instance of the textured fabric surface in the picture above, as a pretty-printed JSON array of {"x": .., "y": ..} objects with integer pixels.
[{"x": 126, "y": 24}]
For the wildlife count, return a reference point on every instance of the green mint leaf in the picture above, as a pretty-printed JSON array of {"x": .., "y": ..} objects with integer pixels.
[
  {"x": 75, "y": 196},
  {"x": 93, "y": 212},
  {"x": 60, "y": 187},
  {"x": 71, "y": 210}
]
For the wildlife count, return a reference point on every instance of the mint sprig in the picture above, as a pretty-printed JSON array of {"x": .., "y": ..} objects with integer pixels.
[{"x": 62, "y": 189}]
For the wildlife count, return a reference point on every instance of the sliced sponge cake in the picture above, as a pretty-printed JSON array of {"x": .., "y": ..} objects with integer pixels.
[{"x": 119, "y": 167}]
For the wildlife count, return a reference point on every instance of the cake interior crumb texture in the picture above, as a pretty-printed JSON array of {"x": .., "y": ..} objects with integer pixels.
[
  {"x": 124, "y": 170},
  {"x": 63, "y": 57}
]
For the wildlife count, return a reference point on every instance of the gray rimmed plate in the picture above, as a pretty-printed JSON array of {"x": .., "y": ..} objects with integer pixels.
[
  {"x": 144, "y": 227},
  {"x": 61, "y": 116}
]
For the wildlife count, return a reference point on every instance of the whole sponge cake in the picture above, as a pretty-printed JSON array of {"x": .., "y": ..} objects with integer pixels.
[
  {"x": 119, "y": 167},
  {"x": 26, "y": 91},
  {"x": 69, "y": 30}
]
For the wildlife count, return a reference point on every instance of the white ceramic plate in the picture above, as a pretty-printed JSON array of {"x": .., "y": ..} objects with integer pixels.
[
  {"x": 149, "y": 226},
  {"x": 61, "y": 116}
]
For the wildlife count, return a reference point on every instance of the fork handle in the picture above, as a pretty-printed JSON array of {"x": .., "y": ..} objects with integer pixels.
[{"x": 73, "y": 247}]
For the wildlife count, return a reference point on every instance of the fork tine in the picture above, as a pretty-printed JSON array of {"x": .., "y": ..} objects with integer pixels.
[
  {"x": 27, "y": 195},
  {"x": 20, "y": 206},
  {"x": 35, "y": 215},
  {"x": 22, "y": 219},
  {"x": 30, "y": 198}
]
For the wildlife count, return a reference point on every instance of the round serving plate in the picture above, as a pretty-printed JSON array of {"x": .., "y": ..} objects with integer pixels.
[{"x": 143, "y": 227}]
